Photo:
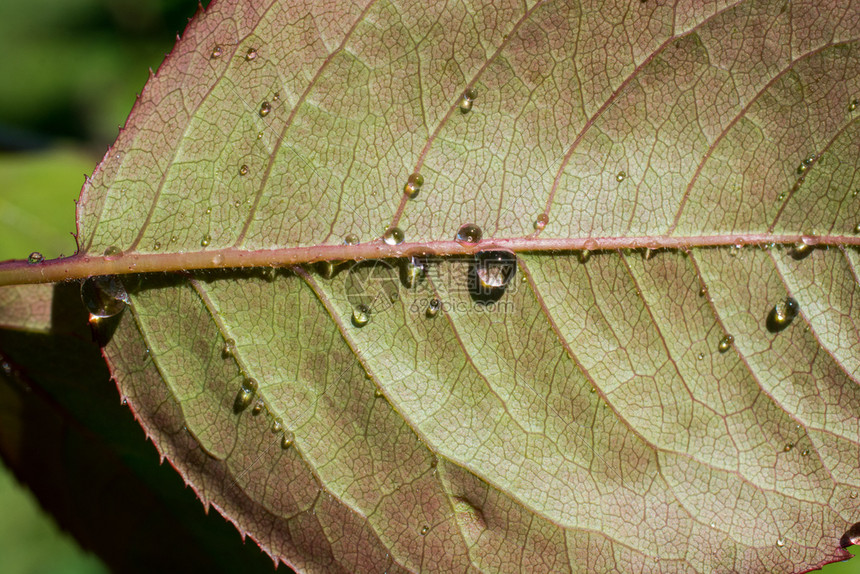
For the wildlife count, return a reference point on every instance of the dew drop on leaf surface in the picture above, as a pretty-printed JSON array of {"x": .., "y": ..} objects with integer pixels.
[
  {"x": 361, "y": 315},
  {"x": 393, "y": 236},
  {"x": 782, "y": 314},
  {"x": 413, "y": 185},
  {"x": 725, "y": 343},
  {"x": 245, "y": 395},
  {"x": 35, "y": 257}
]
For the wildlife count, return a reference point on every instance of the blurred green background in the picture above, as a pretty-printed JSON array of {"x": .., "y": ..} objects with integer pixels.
[{"x": 70, "y": 73}]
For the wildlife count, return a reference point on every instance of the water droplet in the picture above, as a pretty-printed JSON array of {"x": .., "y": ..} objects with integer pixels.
[
  {"x": 205, "y": 241},
  {"x": 243, "y": 170},
  {"x": 251, "y": 54},
  {"x": 541, "y": 221},
  {"x": 801, "y": 251},
  {"x": 245, "y": 395},
  {"x": 259, "y": 135},
  {"x": 853, "y": 105},
  {"x": 851, "y": 536},
  {"x": 467, "y": 100},
  {"x": 413, "y": 185},
  {"x": 735, "y": 249},
  {"x": 648, "y": 254},
  {"x": 258, "y": 407},
  {"x": 788, "y": 447},
  {"x": 433, "y": 307},
  {"x": 725, "y": 343},
  {"x": 276, "y": 97},
  {"x": 229, "y": 348},
  {"x": 781, "y": 196},
  {"x": 584, "y": 256},
  {"x": 103, "y": 296},
  {"x": 425, "y": 530},
  {"x": 853, "y": 495},
  {"x": 208, "y": 210},
  {"x": 112, "y": 252},
  {"x": 377, "y": 392},
  {"x": 351, "y": 239},
  {"x": 217, "y": 51},
  {"x": 413, "y": 271},
  {"x": 35, "y": 257},
  {"x": 265, "y": 108},
  {"x": 495, "y": 269},
  {"x": 782, "y": 314},
  {"x": 700, "y": 356},
  {"x": 287, "y": 440},
  {"x": 857, "y": 228},
  {"x": 703, "y": 290},
  {"x": 277, "y": 426},
  {"x": 780, "y": 542},
  {"x": 713, "y": 524},
  {"x": 468, "y": 234},
  {"x": 156, "y": 246},
  {"x": 361, "y": 315},
  {"x": 804, "y": 452},
  {"x": 619, "y": 177},
  {"x": 593, "y": 390},
  {"x": 325, "y": 269},
  {"x": 393, "y": 236}
]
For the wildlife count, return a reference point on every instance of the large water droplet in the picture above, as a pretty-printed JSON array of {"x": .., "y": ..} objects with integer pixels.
[
  {"x": 782, "y": 314},
  {"x": 412, "y": 272},
  {"x": 851, "y": 536},
  {"x": 468, "y": 234},
  {"x": 584, "y": 256},
  {"x": 393, "y": 236},
  {"x": 490, "y": 274},
  {"x": 103, "y": 296},
  {"x": 265, "y": 109},
  {"x": 801, "y": 251},
  {"x": 725, "y": 343},
  {"x": 245, "y": 395},
  {"x": 360, "y": 315},
  {"x": 413, "y": 185},
  {"x": 229, "y": 348},
  {"x": 35, "y": 257}
]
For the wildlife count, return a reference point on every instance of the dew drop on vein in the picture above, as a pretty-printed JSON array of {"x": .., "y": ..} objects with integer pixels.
[
  {"x": 393, "y": 236},
  {"x": 725, "y": 343},
  {"x": 103, "y": 296},
  {"x": 229, "y": 348},
  {"x": 495, "y": 269},
  {"x": 351, "y": 239},
  {"x": 206, "y": 240},
  {"x": 287, "y": 440},
  {"x": 245, "y": 395},
  {"x": 112, "y": 252},
  {"x": 801, "y": 251},
  {"x": 541, "y": 221},
  {"x": 413, "y": 185},
  {"x": 468, "y": 234},
  {"x": 780, "y": 542},
  {"x": 277, "y": 426},
  {"x": 35, "y": 257}
]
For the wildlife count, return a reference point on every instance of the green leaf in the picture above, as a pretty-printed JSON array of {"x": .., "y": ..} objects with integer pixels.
[{"x": 691, "y": 408}]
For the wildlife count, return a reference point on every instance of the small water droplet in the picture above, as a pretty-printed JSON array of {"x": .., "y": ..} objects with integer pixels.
[
  {"x": 700, "y": 356},
  {"x": 361, "y": 315},
  {"x": 103, "y": 296},
  {"x": 788, "y": 447},
  {"x": 433, "y": 307},
  {"x": 217, "y": 52},
  {"x": 541, "y": 221},
  {"x": 413, "y": 185},
  {"x": 208, "y": 210},
  {"x": 619, "y": 177},
  {"x": 857, "y": 228},
  {"x": 713, "y": 524},
  {"x": 425, "y": 530},
  {"x": 245, "y": 395},
  {"x": 853, "y": 105},
  {"x": 258, "y": 407},
  {"x": 782, "y": 314},
  {"x": 259, "y": 135},
  {"x": 413, "y": 271},
  {"x": 156, "y": 246},
  {"x": 468, "y": 234},
  {"x": 804, "y": 452},
  {"x": 112, "y": 252},
  {"x": 584, "y": 256},
  {"x": 593, "y": 390},
  {"x": 287, "y": 440},
  {"x": 781, "y": 196},
  {"x": 780, "y": 542},
  {"x": 735, "y": 249},
  {"x": 377, "y": 392},
  {"x": 703, "y": 290},
  {"x": 725, "y": 343},
  {"x": 467, "y": 100},
  {"x": 243, "y": 170},
  {"x": 251, "y": 54},
  {"x": 277, "y": 426},
  {"x": 229, "y": 348},
  {"x": 853, "y": 495},
  {"x": 265, "y": 108},
  {"x": 351, "y": 239},
  {"x": 276, "y": 97},
  {"x": 35, "y": 257},
  {"x": 206, "y": 240},
  {"x": 393, "y": 236}
]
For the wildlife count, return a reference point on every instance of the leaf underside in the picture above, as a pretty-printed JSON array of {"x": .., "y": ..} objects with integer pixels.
[{"x": 586, "y": 421}]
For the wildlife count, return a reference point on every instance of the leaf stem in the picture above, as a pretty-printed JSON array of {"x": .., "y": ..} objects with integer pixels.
[{"x": 80, "y": 266}]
